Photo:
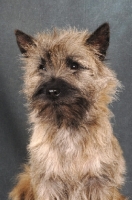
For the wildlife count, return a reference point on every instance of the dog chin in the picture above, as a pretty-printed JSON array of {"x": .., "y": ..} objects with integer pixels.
[{"x": 60, "y": 112}]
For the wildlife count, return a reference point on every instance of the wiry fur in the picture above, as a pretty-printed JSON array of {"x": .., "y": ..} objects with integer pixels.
[{"x": 73, "y": 152}]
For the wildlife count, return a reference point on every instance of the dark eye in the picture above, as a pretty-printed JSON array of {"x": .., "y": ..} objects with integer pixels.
[
  {"x": 42, "y": 66},
  {"x": 73, "y": 65}
]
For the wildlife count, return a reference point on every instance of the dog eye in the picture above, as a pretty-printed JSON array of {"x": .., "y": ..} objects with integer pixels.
[
  {"x": 42, "y": 66},
  {"x": 73, "y": 65}
]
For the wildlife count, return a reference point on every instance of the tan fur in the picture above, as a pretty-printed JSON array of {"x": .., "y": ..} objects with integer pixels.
[
  {"x": 23, "y": 190},
  {"x": 68, "y": 163}
]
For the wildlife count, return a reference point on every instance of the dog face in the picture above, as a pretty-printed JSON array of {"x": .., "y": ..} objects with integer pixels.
[{"x": 65, "y": 75}]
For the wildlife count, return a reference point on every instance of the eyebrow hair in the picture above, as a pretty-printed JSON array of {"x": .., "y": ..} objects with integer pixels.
[
  {"x": 43, "y": 61},
  {"x": 48, "y": 55}
]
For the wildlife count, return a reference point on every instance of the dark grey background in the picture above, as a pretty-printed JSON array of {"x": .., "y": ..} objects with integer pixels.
[{"x": 32, "y": 16}]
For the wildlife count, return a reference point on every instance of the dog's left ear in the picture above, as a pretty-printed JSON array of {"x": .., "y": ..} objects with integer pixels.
[
  {"x": 24, "y": 41},
  {"x": 99, "y": 40}
]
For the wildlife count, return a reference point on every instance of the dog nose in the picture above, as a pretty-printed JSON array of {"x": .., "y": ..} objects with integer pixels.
[{"x": 53, "y": 92}]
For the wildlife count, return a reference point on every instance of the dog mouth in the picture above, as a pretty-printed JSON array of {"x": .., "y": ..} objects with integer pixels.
[
  {"x": 54, "y": 90},
  {"x": 59, "y": 101}
]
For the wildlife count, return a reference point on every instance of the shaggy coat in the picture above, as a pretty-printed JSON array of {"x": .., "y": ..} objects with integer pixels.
[{"x": 73, "y": 153}]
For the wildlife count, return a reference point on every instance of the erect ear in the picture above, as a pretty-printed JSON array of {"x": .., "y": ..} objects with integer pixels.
[
  {"x": 24, "y": 41},
  {"x": 99, "y": 39}
]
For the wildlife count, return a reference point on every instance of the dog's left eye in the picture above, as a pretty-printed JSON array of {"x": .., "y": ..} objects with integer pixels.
[{"x": 73, "y": 65}]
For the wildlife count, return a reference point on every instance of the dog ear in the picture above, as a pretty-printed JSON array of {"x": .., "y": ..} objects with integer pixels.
[
  {"x": 99, "y": 39},
  {"x": 24, "y": 41}
]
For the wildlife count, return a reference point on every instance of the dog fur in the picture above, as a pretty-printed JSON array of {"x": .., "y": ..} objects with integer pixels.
[{"x": 73, "y": 153}]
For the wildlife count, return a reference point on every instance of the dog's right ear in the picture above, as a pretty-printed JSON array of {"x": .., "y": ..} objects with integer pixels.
[{"x": 24, "y": 41}]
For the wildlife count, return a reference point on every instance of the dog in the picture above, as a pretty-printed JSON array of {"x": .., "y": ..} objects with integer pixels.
[{"x": 73, "y": 153}]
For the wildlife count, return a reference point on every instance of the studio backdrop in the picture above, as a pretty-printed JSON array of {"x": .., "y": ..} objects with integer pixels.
[{"x": 32, "y": 16}]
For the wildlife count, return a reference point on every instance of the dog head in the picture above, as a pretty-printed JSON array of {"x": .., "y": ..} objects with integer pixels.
[{"x": 66, "y": 81}]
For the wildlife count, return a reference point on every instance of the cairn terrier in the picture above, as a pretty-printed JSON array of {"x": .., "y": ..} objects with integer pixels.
[{"x": 73, "y": 154}]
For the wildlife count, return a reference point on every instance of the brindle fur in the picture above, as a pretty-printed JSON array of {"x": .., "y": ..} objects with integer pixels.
[{"x": 73, "y": 152}]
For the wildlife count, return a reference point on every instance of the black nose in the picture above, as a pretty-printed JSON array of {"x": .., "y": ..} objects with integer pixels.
[{"x": 53, "y": 92}]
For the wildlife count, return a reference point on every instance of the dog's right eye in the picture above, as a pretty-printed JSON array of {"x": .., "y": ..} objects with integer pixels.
[{"x": 42, "y": 66}]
